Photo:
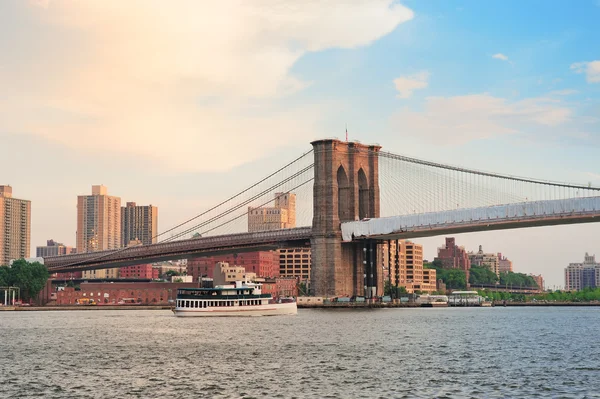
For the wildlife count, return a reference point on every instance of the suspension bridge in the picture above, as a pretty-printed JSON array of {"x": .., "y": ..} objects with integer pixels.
[{"x": 353, "y": 197}]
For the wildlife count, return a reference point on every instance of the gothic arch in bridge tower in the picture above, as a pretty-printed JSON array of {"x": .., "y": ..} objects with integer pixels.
[
  {"x": 363, "y": 195},
  {"x": 343, "y": 195}
]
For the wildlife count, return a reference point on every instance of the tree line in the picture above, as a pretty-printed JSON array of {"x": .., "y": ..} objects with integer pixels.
[
  {"x": 30, "y": 278},
  {"x": 478, "y": 275}
]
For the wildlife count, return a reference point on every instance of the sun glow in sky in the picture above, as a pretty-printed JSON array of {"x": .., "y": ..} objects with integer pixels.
[{"x": 164, "y": 101}]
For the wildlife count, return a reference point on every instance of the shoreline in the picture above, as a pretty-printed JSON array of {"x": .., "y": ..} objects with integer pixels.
[{"x": 300, "y": 306}]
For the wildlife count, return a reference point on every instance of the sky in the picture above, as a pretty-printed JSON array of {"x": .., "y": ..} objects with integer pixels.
[{"x": 163, "y": 102}]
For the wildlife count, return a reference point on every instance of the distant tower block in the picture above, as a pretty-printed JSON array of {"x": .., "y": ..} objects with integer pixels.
[{"x": 346, "y": 188}]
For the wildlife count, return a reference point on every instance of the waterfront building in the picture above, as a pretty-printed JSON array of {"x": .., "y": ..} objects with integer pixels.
[
  {"x": 280, "y": 287},
  {"x": 582, "y": 275},
  {"x": 482, "y": 259},
  {"x": 409, "y": 272},
  {"x": 295, "y": 262},
  {"x": 53, "y": 248},
  {"x": 504, "y": 265},
  {"x": 429, "y": 283},
  {"x": 262, "y": 263},
  {"x": 130, "y": 293},
  {"x": 282, "y": 215},
  {"x": 15, "y": 226},
  {"x": 139, "y": 223}
]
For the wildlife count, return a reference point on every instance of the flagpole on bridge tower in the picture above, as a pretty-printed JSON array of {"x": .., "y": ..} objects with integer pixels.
[{"x": 346, "y": 132}]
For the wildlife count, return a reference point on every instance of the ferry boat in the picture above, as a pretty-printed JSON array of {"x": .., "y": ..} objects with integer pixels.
[{"x": 239, "y": 299}]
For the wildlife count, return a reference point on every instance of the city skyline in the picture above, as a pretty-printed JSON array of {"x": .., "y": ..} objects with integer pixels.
[{"x": 438, "y": 81}]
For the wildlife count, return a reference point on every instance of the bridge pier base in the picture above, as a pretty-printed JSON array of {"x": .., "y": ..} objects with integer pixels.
[{"x": 345, "y": 269}]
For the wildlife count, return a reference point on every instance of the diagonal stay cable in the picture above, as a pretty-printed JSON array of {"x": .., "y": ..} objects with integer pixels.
[
  {"x": 235, "y": 196},
  {"x": 231, "y": 210},
  {"x": 119, "y": 250},
  {"x": 260, "y": 206}
]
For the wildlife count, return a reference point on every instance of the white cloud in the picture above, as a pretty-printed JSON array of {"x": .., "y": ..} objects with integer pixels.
[
  {"x": 460, "y": 119},
  {"x": 500, "y": 56},
  {"x": 564, "y": 92},
  {"x": 591, "y": 70},
  {"x": 407, "y": 84},
  {"x": 133, "y": 77}
]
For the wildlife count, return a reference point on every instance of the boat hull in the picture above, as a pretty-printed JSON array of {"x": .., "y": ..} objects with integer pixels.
[{"x": 276, "y": 309}]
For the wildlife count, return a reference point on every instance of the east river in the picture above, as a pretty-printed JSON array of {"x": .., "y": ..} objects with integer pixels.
[{"x": 383, "y": 353}]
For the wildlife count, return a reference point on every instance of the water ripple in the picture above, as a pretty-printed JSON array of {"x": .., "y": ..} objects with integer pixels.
[{"x": 416, "y": 353}]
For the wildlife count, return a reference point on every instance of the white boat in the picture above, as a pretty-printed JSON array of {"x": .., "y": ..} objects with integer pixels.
[{"x": 239, "y": 299}]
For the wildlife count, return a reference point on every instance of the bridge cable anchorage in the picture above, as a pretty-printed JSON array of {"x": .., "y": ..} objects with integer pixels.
[
  {"x": 236, "y": 207},
  {"x": 107, "y": 253}
]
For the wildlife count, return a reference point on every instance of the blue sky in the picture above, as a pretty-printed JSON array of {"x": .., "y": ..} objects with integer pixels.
[{"x": 138, "y": 95}]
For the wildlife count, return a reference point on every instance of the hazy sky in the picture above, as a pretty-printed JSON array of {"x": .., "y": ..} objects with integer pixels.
[{"x": 179, "y": 103}]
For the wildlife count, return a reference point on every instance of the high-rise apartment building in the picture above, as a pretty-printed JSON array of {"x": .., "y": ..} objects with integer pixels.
[
  {"x": 98, "y": 226},
  {"x": 53, "y": 248},
  {"x": 15, "y": 226},
  {"x": 407, "y": 270},
  {"x": 98, "y": 221},
  {"x": 138, "y": 223},
  {"x": 582, "y": 275},
  {"x": 282, "y": 215},
  {"x": 482, "y": 259}
]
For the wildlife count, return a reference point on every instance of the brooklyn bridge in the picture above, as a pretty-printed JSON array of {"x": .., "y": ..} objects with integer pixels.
[{"x": 358, "y": 197}]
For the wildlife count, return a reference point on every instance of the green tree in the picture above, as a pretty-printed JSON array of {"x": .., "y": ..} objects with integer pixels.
[
  {"x": 171, "y": 273},
  {"x": 29, "y": 277},
  {"x": 516, "y": 280},
  {"x": 5, "y": 279},
  {"x": 482, "y": 275},
  {"x": 453, "y": 278}
]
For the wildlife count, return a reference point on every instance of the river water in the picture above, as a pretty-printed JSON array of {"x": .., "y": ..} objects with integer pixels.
[{"x": 382, "y": 353}]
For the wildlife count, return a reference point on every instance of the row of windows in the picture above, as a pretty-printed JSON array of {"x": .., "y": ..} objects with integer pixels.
[{"x": 197, "y": 304}]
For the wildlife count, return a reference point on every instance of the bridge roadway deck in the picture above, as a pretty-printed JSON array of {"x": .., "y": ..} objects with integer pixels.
[
  {"x": 510, "y": 216},
  {"x": 205, "y": 246}
]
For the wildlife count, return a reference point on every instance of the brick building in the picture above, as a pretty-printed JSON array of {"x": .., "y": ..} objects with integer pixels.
[
  {"x": 112, "y": 293},
  {"x": 504, "y": 264},
  {"x": 67, "y": 276},
  {"x": 139, "y": 271},
  {"x": 281, "y": 286},
  {"x": 454, "y": 257},
  {"x": 263, "y": 263}
]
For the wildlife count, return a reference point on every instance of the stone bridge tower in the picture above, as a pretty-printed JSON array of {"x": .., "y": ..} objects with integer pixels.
[{"x": 346, "y": 188}]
